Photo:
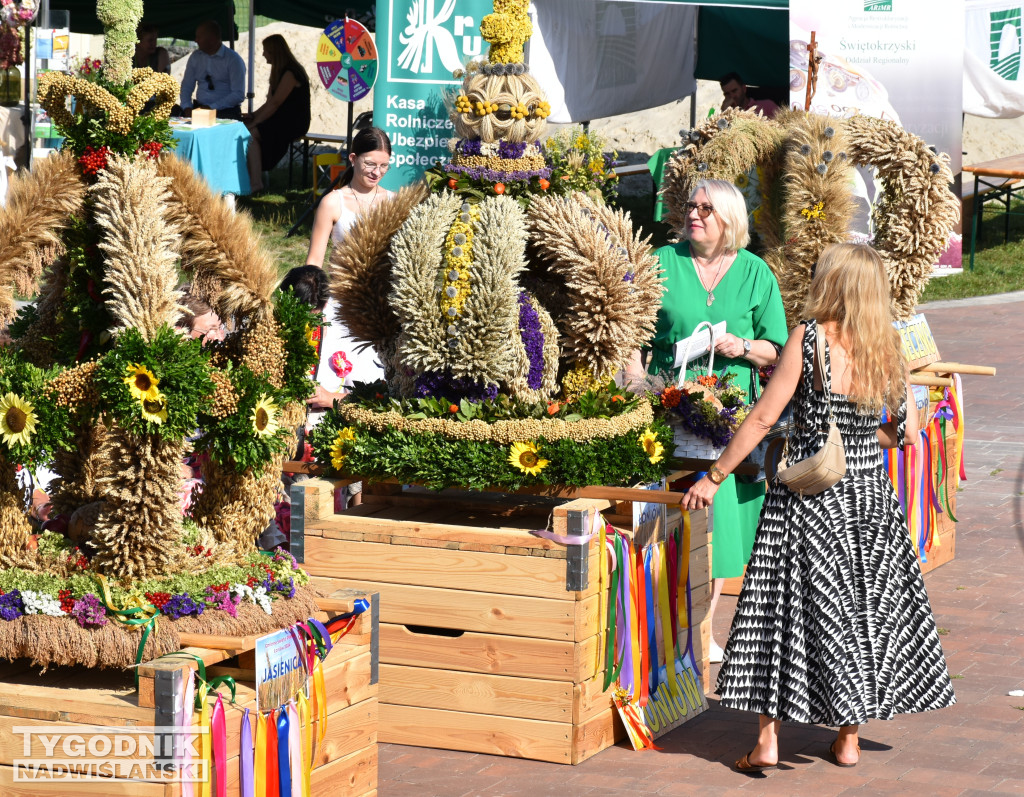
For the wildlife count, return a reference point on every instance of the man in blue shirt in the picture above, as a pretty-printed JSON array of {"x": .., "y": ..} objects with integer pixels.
[{"x": 218, "y": 72}]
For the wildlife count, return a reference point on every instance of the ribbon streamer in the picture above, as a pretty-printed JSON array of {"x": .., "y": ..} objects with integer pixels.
[
  {"x": 246, "y": 765},
  {"x": 219, "y": 744}
]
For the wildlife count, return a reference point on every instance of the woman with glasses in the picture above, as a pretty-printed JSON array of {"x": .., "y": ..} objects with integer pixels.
[
  {"x": 284, "y": 117},
  {"x": 358, "y": 191},
  {"x": 711, "y": 277}
]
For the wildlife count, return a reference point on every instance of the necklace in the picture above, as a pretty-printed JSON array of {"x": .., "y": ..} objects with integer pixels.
[
  {"x": 714, "y": 282},
  {"x": 359, "y": 202}
]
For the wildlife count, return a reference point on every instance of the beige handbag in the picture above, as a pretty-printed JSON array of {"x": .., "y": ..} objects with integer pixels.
[{"x": 822, "y": 470}]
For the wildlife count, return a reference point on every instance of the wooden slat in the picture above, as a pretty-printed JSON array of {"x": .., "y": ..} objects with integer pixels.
[
  {"x": 590, "y": 699},
  {"x": 354, "y": 774},
  {"x": 477, "y": 693},
  {"x": 597, "y": 733},
  {"x": 491, "y": 653},
  {"x": 476, "y": 733},
  {"x": 465, "y": 610},
  {"x": 80, "y": 788},
  {"x": 218, "y": 641},
  {"x": 433, "y": 567}
]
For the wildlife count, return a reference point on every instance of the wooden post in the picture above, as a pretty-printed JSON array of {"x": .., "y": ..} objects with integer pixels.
[{"x": 813, "y": 59}]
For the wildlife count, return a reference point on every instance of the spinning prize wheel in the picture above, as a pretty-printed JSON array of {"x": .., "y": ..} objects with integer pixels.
[{"x": 346, "y": 60}]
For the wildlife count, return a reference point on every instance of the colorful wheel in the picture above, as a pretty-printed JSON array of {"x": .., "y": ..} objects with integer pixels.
[{"x": 346, "y": 60}]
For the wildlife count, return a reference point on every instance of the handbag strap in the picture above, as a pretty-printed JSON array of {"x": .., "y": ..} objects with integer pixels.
[
  {"x": 826, "y": 371},
  {"x": 686, "y": 351}
]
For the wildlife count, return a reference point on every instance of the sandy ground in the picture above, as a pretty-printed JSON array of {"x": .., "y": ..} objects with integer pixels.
[{"x": 635, "y": 135}]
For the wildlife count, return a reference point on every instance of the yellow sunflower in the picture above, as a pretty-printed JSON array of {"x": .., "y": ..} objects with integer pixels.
[
  {"x": 264, "y": 417},
  {"x": 526, "y": 457},
  {"x": 649, "y": 443},
  {"x": 142, "y": 383},
  {"x": 338, "y": 449},
  {"x": 154, "y": 409},
  {"x": 17, "y": 420}
]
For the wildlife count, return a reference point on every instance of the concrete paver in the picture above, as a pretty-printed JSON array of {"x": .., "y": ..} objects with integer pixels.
[{"x": 974, "y": 748}]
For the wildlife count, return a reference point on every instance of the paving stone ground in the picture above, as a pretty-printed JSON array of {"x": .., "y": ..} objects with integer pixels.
[{"x": 973, "y": 748}]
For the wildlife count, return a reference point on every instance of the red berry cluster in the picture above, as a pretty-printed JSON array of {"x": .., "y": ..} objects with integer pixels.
[
  {"x": 152, "y": 149},
  {"x": 199, "y": 550},
  {"x": 219, "y": 587},
  {"x": 67, "y": 603},
  {"x": 92, "y": 160},
  {"x": 158, "y": 599},
  {"x": 78, "y": 559}
]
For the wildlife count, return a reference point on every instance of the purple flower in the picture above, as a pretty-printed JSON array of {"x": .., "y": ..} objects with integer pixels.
[
  {"x": 441, "y": 384},
  {"x": 511, "y": 150},
  {"x": 533, "y": 341},
  {"x": 89, "y": 610},
  {"x": 281, "y": 554},
  {"x": 223, "y": 600},
  {"x": 470, "y": 147},
  {"x": 11, "y": 605},
  {"x": 182, "y": 606},
  {"x": 718, "y": 432},
  {"x": 491, "y": 175},
  {"x": 628, "y": 277}
]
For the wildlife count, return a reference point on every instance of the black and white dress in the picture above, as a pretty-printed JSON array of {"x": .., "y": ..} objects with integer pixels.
[{"x": 833, "y": 625}]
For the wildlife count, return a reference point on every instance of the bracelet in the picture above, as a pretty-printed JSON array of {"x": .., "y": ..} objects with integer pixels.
[{"x": 716, "y": 474}]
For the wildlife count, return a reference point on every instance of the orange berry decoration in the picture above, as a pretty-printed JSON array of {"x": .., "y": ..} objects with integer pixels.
[
  {"x": 553, "y": 408},
  {"x": 453, "y": 408},
  {"x": 452, "y": 183},
  {"x": 499, "y": 188},
  {"x": 544, "y": 184},
  {"x": 670, "y": 397}
]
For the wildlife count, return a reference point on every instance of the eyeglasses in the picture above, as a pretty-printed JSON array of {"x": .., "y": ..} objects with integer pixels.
[
  {"x": 209, "y": 82},
  {"x": 380, "y": 168},
  {"x": 703, "y": 211}
]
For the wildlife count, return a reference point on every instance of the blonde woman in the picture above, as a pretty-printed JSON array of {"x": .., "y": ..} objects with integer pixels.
[
  {"x": 833, "y": 625},
  {"x": 710, "y": 276}
]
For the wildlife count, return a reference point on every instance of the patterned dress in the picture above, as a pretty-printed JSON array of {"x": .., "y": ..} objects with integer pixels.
[{"x": 833, "y": 625}]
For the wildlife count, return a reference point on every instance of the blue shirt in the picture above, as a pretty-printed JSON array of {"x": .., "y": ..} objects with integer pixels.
[{"x": 226, "y": 72}]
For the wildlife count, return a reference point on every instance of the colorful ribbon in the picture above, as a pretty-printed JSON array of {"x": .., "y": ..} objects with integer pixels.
[
  {"x": 284, "y": 773},
  {"x": 137, "y": 612},
  {"x": 182, "y": 755},
  {"x": 246, "y": 765},
  {"x": 219, "y": 744}
]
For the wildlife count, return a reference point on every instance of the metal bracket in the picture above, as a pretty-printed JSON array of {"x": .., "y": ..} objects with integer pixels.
[
  {"x": 168, "y": 691},
  {"x": 374, "y": 637},
  {"x": 297, "y": 540},
  {"x": 577, "y": 557}
]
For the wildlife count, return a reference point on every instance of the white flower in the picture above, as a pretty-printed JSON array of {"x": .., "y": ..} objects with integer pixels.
[
  {"x": 262, "y": 599},
  {"x": 41, "y": 603}
]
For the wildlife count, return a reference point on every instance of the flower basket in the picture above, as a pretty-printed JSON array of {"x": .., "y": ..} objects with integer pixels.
[{"x": 688, "y": 444}]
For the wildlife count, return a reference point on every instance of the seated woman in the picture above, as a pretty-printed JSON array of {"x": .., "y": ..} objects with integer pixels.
[
  {"x": 147, "y": 53},
  {"x": 284, "y": 117}
]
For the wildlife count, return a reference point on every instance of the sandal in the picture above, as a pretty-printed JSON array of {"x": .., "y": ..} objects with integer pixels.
[
  {"x": 836, "y": 761},
  {"x": 744, "y": 765}
]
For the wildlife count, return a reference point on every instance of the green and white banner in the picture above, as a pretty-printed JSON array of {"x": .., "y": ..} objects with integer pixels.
[
  {"x": 420, "y": 43},
  {"x": 993, "y": 78}
]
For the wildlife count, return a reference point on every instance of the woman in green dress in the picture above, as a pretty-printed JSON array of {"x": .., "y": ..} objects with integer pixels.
[{"x": 709, "y": 276}]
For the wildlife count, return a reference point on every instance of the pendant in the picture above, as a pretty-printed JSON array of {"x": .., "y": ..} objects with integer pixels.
[{"x": 711, "y": 298}]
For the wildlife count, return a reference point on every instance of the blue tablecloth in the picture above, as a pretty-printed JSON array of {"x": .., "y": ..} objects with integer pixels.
[{"x": 217, "y": 153}]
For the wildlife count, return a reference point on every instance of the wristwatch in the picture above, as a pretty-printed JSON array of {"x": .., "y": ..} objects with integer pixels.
[
  {"x": 716, "y": 474},
  {"x": 746, "y": 347}
]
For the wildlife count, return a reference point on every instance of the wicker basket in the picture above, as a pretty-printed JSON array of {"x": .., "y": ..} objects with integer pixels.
[{"x": 690, "y": 445}]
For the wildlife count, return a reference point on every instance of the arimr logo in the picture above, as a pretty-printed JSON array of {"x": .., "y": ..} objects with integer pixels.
[
  {"x": 1004, "y": 42},
  {"x": 878, "y": 5},
  {"x": 427, "y": 44},
  {"x": 87, "y": 752}
]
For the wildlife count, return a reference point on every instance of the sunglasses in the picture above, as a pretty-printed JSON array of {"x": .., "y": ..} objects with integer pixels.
[
  {"x": 209, "y": 82},
  {"x": 703, "y": 211}
]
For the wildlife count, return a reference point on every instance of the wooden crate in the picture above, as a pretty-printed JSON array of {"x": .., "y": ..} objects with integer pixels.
[
  {"x": 491, "y": 638},
  {"x": 68, "y": 701}
]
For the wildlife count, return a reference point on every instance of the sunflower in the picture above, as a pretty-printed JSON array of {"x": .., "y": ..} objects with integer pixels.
[
  {"x": 649, "y": 443},
  {"x": 525, "y": 457},
  {"x": 17, "y": 420},
  {"x": 142, "y": 383},
  {"x": 154, "y": 409},
  {"x": 338, "y": 449},
  {"x": 264, "y": 417}
]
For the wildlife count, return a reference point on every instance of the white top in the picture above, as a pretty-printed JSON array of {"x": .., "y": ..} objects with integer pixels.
[{"x": 348, "y": 218}]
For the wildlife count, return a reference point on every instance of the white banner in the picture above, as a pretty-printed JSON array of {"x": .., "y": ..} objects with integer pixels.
[
  {"x": 598, "y": 58},
  {"x": 993, "y": 78}
]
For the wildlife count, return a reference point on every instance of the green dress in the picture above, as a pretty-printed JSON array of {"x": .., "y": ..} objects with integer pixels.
[{"x": 747, "y": 298}]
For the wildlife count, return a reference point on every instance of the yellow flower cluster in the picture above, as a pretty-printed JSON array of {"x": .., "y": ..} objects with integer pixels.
[
  {"x": 507, "y": 30},
  {"x": 542, "y": 109},
  {"x": 485, "y": 107},
  {"x": 578, "y": 381},
  {"x": 519, "y": 111},
  {"x": 652, "y": 447},
  {"x": 505, "y": 432},
  {"x": 338, "y": 447},
  {"x": 463, "y": 105},
  {"x": 816, "y": 212},
  {"x": 458, "y": 257}
]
